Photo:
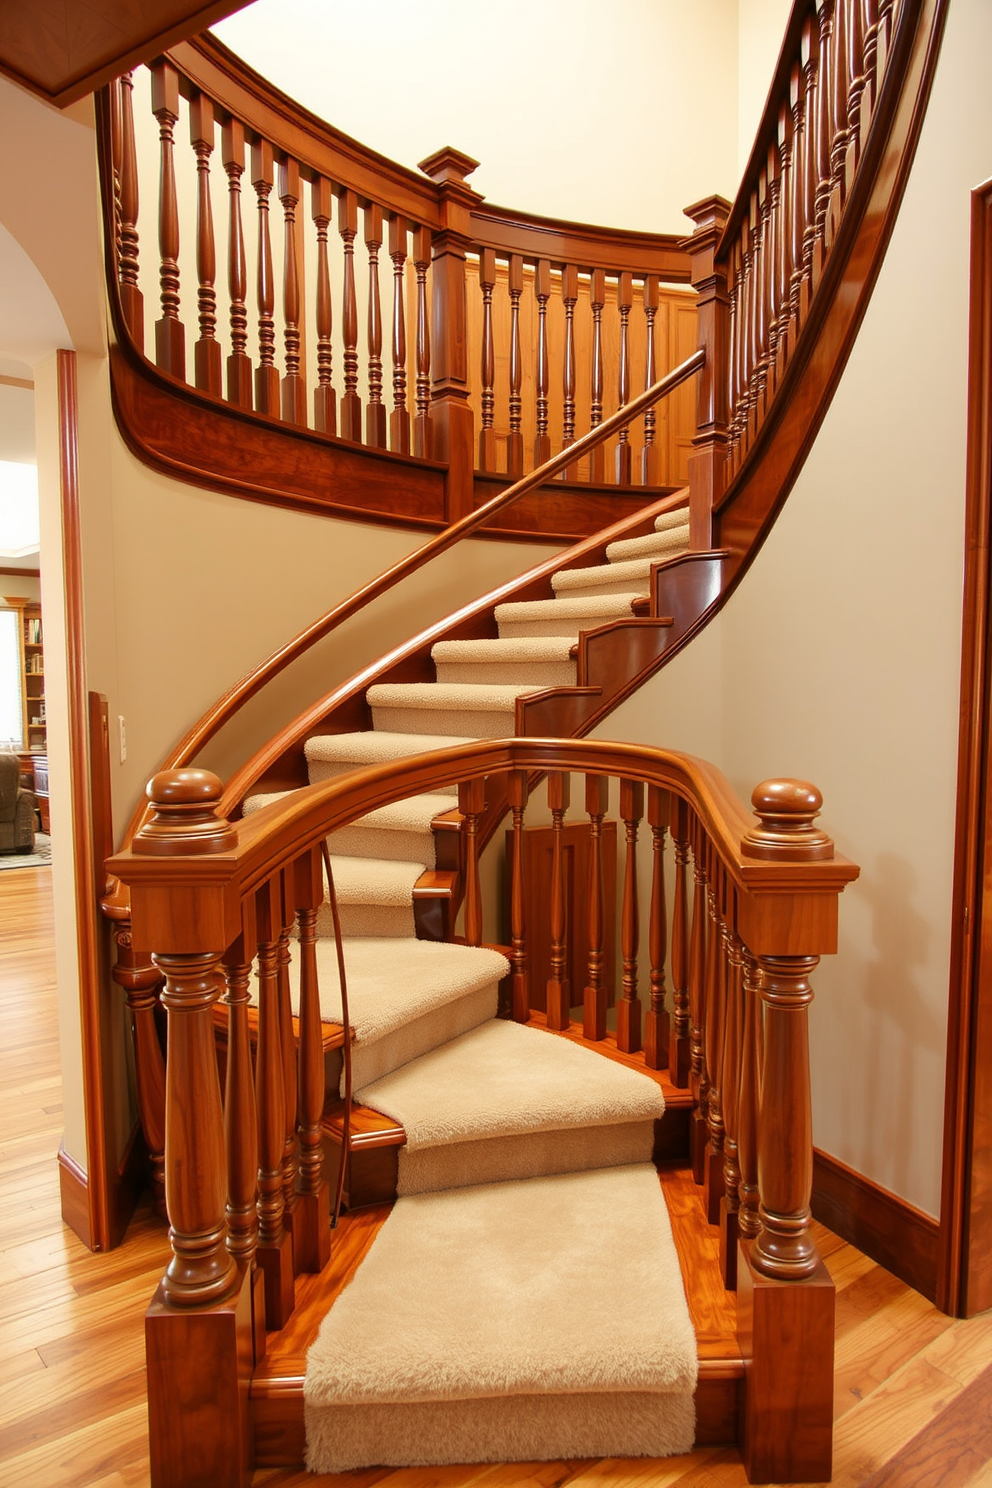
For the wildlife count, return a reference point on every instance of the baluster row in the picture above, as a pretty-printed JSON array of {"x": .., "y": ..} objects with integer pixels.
[
  {"x": 568, "y": 284},
  {"x": 255, "y": 382},
  {"x": 797, "y": 201}
]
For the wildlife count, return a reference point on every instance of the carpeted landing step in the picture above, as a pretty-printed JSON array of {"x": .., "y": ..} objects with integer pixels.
[{"x": 486, "y": 1325}]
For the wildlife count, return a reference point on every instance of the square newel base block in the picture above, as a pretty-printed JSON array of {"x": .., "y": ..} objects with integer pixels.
[
  {"x": 679, "y": 1059},
  {"x": 312, "y": 1230},
  {"x": 656, "y": 1039},
  {"x": 199, "y": 1373},
  {"x": 714, "y": 1188},
  {"x": 276, "y": 1262},
  {"x": 786, "y": 1334},
  {"x": 699, "y": 1135}
]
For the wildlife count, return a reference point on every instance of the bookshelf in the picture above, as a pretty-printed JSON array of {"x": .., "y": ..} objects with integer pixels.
[{"x": 33, "y": 679}]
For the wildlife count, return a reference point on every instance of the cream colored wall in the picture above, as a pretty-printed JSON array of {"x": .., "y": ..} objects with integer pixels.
[
  {"x": 580, "y": 111},
  {"x": 838, "y": 659},
  {"x": 760, "y": 29}
]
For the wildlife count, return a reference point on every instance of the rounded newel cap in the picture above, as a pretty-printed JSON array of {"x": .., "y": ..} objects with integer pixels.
[
  {"x": 786, "y": 810},
  {"x": 185, "y": 819}
]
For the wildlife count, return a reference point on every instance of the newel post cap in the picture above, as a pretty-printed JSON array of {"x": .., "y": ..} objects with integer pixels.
[
  {"x": 185, "y": 820},
  {"x": 448, "y": 164},
  {"x": 786, "y": 810}
]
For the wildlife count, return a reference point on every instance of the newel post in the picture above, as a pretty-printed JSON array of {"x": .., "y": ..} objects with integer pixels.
[
  {"x": 198, "y": 1329},
  {"x": 708, "y": 461},
  {"x": 785, "y": 1294},
  {"x": 451, "y": 411}
]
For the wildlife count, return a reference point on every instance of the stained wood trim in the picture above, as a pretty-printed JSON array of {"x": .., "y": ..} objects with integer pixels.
[
  {"x": 895, "y": 1234},
  {"x": 965, "y": 1274},
  {"x": 87, "y": 926},
  {"x": 31, "y": 573},
  {"x": 74, "y": 1196},
  {"x": 18, "y": 382},
  {"x": 50, "y": 71}
]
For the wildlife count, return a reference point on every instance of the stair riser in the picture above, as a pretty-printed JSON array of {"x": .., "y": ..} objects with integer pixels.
[
  {"x": 483, "y": 725},
  {"x": 327, "y": 770},
  {"x": 510, "y": 673},
  {"x": 369, "y": 921}
]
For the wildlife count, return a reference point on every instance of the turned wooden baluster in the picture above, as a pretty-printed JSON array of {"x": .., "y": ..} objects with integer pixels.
[
  {"x": 375, "y": 413},
  {"x": 625, "y": 301},
  {"x": 797, "y": 191},
  {"x": 116, "y": 154},
  {"x": 824, "y": 130},
  {"x": 239, "y": 369},
  {"x": 871, "y": 22},
  {"x": 656, "y": 1024},
  {"x": 749, "y": 238},
  {"x": 132, "y": 302},
  {"x": 471, "y": 804},
  {"x": 325, "y": 411},
  {"x": 201, "y": 1270},
  {"x": 748, "y": 1102},
  {"x": 679, "y": 1049},
  {"x": 542, "y": 290},
  {"x": 142, "y": 982},
  {"x": 778, "y": 271},
  {"x": 399, "y": 419},
  {"x": 785, "y": 1248},
  {"x": 884, "y": 43},
  {"x": 423, "y": 445},
  {"x": 762, "y": 263},
  {"x": 730, "y": 1091},
  {"x": 650, "y": 454},
  {"x": 559, "y": 999},
  {"x": 699, "y": 1081},
  {"x": 240, "y": 1112},
  {"x": 810, "y": 55},
  {"x": 287, "y": 1040},
  {"x": 266, "y": 373},
  {"x": 840, "y": 131},
  {"x": 517, "y": 795},
  {"x": 294, "y": 388},
  {"x": 737, "y": 320},
  {"x": 487, "y": 434},
  {"x": 170, "y": 333},
  {"x": 275, "y": 1243},
  {"x": 597, "y": 301},
  {"x": 206, "y": 353},
  {"x": 856, "y": 22},
  {"x": 713, "y": 1032},
  {"x": 515, "y": 438},
  {"x": 312, "y": 1228},
  {"x": 629, "y": 1006},
  {"x": 351, "y": 403},
  {"x": 594, "y": 996},
  {"x": 570, "y": 296}
]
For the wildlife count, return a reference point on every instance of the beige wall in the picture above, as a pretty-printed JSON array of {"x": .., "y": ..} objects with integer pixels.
[
  {"x": 838, "y": 659},
  {"x": 581, "y": 111}
]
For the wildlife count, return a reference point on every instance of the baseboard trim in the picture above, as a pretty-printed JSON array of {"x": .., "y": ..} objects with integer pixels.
[
  {"x": 75, "y": 1196},
  {"x": 893, "y": 1232}
]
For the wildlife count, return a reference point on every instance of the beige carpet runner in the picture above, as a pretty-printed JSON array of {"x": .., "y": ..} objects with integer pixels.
[{"x": 486, "y": 1325}]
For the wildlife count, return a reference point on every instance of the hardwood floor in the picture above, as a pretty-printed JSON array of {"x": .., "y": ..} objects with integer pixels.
[{"x": 914, "y": 1388}]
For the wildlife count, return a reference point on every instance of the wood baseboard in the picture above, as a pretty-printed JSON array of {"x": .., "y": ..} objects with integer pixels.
[
  {"x": 125, "y": 1191},
  {"x": 74, "y": 1192},
  {"x": 888, "y": 1229}
]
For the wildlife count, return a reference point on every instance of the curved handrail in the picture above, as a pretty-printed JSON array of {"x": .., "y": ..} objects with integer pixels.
[{"x": 225, "y": 707}]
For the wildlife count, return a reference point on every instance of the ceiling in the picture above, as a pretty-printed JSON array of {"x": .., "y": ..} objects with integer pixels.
[{"x": 63, "y": 49}]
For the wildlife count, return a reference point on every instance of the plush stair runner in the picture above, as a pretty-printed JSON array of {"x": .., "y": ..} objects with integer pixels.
[
  {"x": 487, "y": 1325},
  {"x": 484, "y": 1324}
]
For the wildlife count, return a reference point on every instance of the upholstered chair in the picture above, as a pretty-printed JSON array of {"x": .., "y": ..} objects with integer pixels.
[{"x": 16, "y": 808}]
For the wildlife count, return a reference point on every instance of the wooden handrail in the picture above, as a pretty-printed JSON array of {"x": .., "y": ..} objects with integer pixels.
[{"x": 225, "y": 707}]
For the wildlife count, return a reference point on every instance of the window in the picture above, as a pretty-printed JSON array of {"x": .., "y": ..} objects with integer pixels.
[{"x": 11, "y": 704}]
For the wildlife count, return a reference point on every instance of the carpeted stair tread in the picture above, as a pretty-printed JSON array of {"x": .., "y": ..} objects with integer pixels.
[
  {"x": 479, "y": 1328},
  {"x": 545, "y": 618},
  {"x": 502, "y": 1079},
  {"x": 389, "y": 987},
  {"x": 374, "y": 880},
  {"x": 263, "y": 798},
  {"x": 485, "y": 711},
  {"x": 540, "y": 661},
  {"x": 330, "y": 755},
  {"x": 631, "y": 577},
  {"x": 655, "y": 545},
  {"x": 401, "y": 830},
  {"x": 677, "y": 518}
]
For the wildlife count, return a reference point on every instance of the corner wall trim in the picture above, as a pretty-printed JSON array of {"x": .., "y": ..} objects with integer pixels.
[
  {"x": 75, "y": 1197},
  {"x": 895, "y": 1234}
]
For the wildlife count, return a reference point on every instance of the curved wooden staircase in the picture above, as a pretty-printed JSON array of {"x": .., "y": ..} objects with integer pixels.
[{"x": 215, "y": 875}]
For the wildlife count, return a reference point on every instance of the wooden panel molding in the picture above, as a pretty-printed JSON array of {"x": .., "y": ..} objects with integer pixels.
[{"x": 895, "y": 1234}]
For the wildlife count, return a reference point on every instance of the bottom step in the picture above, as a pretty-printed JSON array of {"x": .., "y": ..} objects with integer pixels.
[{"x": 277, "y": 1389}]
